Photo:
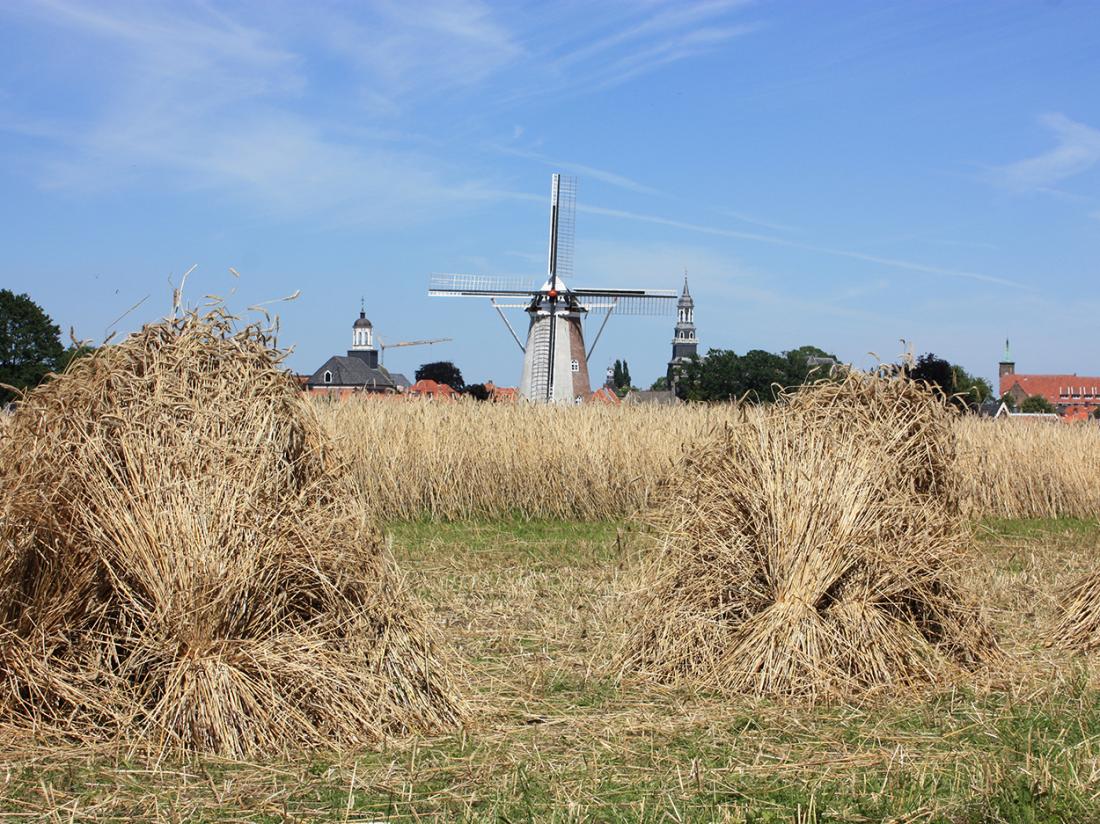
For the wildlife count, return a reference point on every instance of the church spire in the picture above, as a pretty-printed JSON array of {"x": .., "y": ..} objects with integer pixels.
[{"x": 685, "y": 343}]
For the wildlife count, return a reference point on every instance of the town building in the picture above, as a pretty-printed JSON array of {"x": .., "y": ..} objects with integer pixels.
[
  {"x": 685, "y": 342},
  {"x": 433, "y": 391},
  {"x": 1074, "y": 397},
  {"x": 359, "y": 370}
]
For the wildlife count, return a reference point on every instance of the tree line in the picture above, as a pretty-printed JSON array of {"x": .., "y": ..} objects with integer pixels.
[
  {"x": 757, "y": 376},
  {"x": 30, "y": 345}
]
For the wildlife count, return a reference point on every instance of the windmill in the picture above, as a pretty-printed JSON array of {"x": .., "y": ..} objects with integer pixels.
[{"x": 555, "y": 363}]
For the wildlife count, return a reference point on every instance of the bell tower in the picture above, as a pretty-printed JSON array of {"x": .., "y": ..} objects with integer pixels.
[
  {"x": 362, "y": 339},
  {"x": 1007, "y": 366},
  {"x": 685, "y": 343}
]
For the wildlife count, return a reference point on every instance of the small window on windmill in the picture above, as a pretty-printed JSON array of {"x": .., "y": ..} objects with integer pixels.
[
  {"x": 328, "y": 377},
  {"x": 575, "y": 365}
]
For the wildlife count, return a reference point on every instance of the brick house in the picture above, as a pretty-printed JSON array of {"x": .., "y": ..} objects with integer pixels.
[{"x": 1074, "y": 397}]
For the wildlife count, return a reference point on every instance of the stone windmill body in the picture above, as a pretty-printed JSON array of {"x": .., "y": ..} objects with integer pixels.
[{"x": 555, "y": 363}]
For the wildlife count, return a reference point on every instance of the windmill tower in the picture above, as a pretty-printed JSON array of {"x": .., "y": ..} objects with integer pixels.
[{"x": 555, "y": 363}]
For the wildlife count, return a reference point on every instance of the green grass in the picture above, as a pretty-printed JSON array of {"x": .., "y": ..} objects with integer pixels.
[
  {"x": 1039, "y": 528},
  {"x": 525, "y": 603}
]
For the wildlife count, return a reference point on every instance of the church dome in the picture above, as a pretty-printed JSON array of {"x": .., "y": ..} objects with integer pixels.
[{"x": 362, "y": 322}]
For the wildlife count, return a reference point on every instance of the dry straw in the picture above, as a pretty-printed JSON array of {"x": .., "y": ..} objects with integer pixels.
[
  {"x": 186, "y": 565},
  {"x": 483, "y": 460},
  {"x": 1078, "y": 625},
  {"x": 812, "y": 550}
]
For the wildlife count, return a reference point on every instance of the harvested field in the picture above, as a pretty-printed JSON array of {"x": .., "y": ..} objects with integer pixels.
[
  {"x": 524, "y": 601},
  {"x": 470, "y": 460}
]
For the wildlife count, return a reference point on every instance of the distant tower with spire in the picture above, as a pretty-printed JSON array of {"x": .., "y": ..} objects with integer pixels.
[
  {"x": 1007, "y": 366},
  {"x": 362, "y": 338},
  {"x": 685, "y": 344}
]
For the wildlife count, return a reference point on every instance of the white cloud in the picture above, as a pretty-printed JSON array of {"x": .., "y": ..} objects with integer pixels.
[
  {"x": 591, "y": 172},
  {"x": 288, "y": 106},
  {"x": 1077, "y": 151},
  {"x": 893, "y": 263}
]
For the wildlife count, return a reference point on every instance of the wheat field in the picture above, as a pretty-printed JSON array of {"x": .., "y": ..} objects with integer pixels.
[{"x": 450, "y": 461}]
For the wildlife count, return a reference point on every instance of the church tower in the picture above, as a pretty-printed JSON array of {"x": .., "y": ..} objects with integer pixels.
[
  {"x": 1007, "y": 366},
  {"x": 685, "y": 344},
  {"x": 362, "y": 340}
]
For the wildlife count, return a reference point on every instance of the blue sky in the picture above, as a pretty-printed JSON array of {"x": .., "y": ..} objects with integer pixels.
[{"x": 839, "y": 174}]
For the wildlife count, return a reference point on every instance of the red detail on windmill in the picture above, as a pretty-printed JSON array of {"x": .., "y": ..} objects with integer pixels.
[{"x": 553, "y": 293}]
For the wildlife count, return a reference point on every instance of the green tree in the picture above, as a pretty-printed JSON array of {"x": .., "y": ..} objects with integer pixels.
[
  {"x": 620, "y": 377},
  {"x": 442, "y": 372},
  {"x": 1096, "y": 413},
  {"x": 801, "y": 367},
  {"x": 660, "y": 385},
  {"x": 1009, "y": 401},
  {"x": 970, "y": 391},
  {"x": 1036, "y": 403},
  {"x": 30, "y": 343},
  {"x": 723, "y": 375},
  {"x": 72, "y": 353},
  {"x": 477, "y": 391},
  {"x": 934, "y": 371}
]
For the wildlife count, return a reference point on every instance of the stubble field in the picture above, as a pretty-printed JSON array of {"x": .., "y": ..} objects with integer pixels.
[{"x": 516, "y": 528}]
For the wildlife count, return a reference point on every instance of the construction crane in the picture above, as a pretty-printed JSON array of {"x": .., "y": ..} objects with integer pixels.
[{"x": 383, "y": 346}]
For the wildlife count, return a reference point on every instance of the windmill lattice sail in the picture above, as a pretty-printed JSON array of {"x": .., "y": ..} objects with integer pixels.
[{"x": 555, "y": 364}]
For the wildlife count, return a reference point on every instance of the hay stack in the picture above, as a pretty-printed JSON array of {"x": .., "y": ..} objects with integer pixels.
[
  {"x": 187, "y": 566},
  {"x": 811, "y": 550},
  {"x": 1078, "y": 626}
]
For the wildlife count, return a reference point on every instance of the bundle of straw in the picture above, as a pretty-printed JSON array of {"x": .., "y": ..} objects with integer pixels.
[
  {"x": 812, "y": 550},
  {"x": 1078, "y": 625},
  {"x": 187, "y": 566}
]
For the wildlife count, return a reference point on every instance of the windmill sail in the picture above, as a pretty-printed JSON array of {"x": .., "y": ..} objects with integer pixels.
[
  {"x": 649, "y": 302},
  {"x": 455, "y": 285}
]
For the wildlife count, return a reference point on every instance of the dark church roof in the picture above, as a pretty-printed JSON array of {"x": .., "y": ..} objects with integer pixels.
[
  {"x": 353, "y": 372},
  {"x": 362, "y": 322},
  {"x": 685, "y": 296},
  {"x": 399, "y": 380}
]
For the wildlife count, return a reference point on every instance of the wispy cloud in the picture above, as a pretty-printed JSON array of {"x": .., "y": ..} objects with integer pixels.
[
  {"x": 290, "y": 107},
  {"x": 1077, "y": 151},
  {"x": 755, "y": 221},
  {"x": 587, "y": 171},
  {"x": 893, "y": 263}
]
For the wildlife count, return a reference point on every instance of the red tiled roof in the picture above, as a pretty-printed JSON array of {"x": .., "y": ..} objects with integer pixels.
[
  {"x": 1075, "y": 396},
  {"x": 431, "y": 389},
  {"x": 605, "y": 396},
  {"x": 1051, "y": 386}
]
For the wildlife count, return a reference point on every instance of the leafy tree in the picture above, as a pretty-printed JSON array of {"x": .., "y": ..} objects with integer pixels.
[
  {"x": 30, "y": 344},
  {"x": 1036, "y": 403},
  {"x": 934, "y": 371},
  {"x": 477, "y": 391},
  {"x": 723, "y": 374},
  {"x": 970, "y": 391},
  {"x": 620, "y": 377},
  {"x": 760, "y": 373},
  {"x": 1009, "y": 401},
  {"x": 442, "y": 372},
  {"x": 660, "y": 385},
  {"x": 1096, "y": 413},
  {"x": 799, "y": 367},
  {"x": 72, "y": 353}
]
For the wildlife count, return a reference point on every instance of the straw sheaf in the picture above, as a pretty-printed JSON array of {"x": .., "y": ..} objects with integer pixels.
[
  {"x": 186, "y": 565},
  {"x": 813, "y": 550}
]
